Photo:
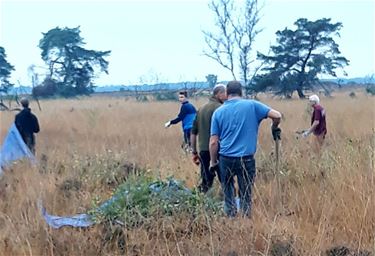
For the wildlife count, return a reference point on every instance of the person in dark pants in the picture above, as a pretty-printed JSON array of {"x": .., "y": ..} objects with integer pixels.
[
  {"x": 27, "y": 124},
  {"x": 201, "y": 128},
  {"x": 187, "y": 115},
  {"x": 235, "y": 125}
]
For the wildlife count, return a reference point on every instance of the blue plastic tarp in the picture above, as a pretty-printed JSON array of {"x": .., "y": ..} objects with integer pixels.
[
  {"x": 14, "y": 148},
  {"x": 80, "y": 220}
]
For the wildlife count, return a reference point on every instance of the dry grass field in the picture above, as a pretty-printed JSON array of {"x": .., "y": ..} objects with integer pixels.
[{"x": 86, "y": 146}]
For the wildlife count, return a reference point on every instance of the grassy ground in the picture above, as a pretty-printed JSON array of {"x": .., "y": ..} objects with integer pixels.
[{"x": 86, "y": 148}]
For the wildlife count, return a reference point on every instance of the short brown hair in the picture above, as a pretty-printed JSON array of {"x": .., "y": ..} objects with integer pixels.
[{"x": 234, "y": 88}]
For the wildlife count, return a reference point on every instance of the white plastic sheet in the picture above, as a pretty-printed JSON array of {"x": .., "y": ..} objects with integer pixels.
[
  {"x": 14, "y": 148},
  {"x": 79, "y": 221}
]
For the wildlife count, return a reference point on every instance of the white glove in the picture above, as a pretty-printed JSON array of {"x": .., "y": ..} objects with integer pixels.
[
  {"x": 305, "y": 134},
  {"x": 167, "y": 124}
]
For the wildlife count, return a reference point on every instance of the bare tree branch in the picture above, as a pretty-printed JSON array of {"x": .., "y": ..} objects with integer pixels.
[
  {"x": 221, "y": 45},
  {"x": 231, "y": 46}
]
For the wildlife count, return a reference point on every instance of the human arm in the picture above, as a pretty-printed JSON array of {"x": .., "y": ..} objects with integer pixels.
[
  {"x": 275, "y": 116},
  {"x": 311, "y": 129},
  {"x": 178, "y": 119},
  {"x": 193, "y": 142},
  {"x": 193, "y": 136},
  {"x": 315, "y": 123},
  {"x": 263, "y": 111},
  {"x": 214, "y": 148},
  {"x": 275, "y": 129},
  {"x": 36, "y": 125},
  {"x": 214, "y": 139},
  {"x": 181, "y": 115},
  {"x": 195, "y": 156},
  {"x": 17, "y": 123}
]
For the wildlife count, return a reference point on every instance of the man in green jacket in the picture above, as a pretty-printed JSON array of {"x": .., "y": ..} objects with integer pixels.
[{"x": 201, "y": 128}]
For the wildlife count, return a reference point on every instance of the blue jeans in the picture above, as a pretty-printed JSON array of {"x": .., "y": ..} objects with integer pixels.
[{"x": 244, "y": 169}]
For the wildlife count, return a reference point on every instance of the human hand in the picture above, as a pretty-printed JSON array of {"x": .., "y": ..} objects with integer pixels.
[
  {"x": 196, "y": 159},
  {"x": 167, "y": 124},
  {"x": 214, "y": 168}
]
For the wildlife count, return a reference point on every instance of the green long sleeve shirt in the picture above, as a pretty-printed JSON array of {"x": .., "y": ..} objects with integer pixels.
[{"x": 202, "y": 123}]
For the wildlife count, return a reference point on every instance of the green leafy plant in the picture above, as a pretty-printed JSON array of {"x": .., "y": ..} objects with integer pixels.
[{"x": 141, "y": 200}]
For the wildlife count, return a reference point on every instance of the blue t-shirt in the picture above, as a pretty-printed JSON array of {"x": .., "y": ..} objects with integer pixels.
[{"x": 236, "y": 124}]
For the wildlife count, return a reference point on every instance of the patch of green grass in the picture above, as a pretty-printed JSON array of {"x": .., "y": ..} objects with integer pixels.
[{"x": 142, "y": 199}]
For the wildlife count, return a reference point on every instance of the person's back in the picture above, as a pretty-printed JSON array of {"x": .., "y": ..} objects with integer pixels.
[
  {"x": 27, "y": 124},
  {"x": 189, "y": 113},
  {"x": 239, "y": 120},
  {"x": 204, "y": 122},
  {"x": 235, "y": 127},
  {"x": 201, "y": 129},
  {"x": 320, "y": 115}
]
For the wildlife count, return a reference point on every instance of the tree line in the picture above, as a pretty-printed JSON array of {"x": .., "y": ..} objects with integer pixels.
[
  {"x": 71, "y": 67},
  {"x": 294, "y": 63}
]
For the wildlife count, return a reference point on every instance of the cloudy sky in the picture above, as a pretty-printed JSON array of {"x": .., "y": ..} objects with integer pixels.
[{"x": 162, "y": 41}]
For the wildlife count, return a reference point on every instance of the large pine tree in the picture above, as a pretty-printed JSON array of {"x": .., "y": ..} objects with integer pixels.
[
  {"x": 300, "y": 56},
  {"x": 71, "y": 66}
]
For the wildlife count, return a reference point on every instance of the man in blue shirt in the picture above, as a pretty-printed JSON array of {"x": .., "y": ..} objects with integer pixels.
[
  {"x": 187, "y": 116},
  {"x": 235, "y": 126}
]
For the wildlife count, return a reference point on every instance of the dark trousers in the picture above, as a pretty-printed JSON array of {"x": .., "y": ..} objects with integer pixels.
[
  {"x": 187, "y": 133},
  {"x": 244, "y": 169},
  {"x": 30, "y": 142},
  {"x": 206, "y": 176}
]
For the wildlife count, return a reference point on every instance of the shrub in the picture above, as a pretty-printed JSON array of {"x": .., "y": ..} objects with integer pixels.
[
  {"x": 142, "y": 98},
  {"x": 370, "y": 89},
  {"x": 165, "y": 96},
  {"x": 47, "y": 89},
  {"x": 141, "y": 200}
]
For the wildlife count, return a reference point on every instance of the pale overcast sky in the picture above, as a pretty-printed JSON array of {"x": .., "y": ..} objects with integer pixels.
[{"x": 164, "y": 38}]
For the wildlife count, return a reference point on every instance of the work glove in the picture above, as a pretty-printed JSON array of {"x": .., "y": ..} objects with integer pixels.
[
  {"x": 305, "y": 134},
  {"x": 196, "y": 159},
  {"x": 214, "y": 169},
  {"x": 167, "y": 124},
  {"x": 276, "y": 133}
]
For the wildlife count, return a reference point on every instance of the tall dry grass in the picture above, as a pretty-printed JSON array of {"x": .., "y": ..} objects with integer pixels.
[{"x": 328, "y": 200}]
